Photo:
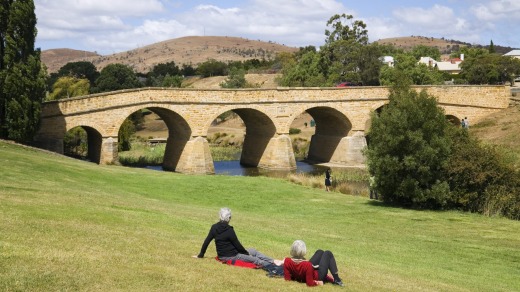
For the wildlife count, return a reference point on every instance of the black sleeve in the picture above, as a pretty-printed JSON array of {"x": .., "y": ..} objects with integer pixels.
[
  {"x": 207, "y": 241},
  {"x": 236, "y": 243}
]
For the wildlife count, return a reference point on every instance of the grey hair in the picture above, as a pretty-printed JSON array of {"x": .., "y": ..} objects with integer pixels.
[
  {"x": 225, "y": 214},
  {"x": 298, "y": 249}
]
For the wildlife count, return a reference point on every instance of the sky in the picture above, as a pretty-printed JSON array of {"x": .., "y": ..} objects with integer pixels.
[{"x": 112, "y": 26}]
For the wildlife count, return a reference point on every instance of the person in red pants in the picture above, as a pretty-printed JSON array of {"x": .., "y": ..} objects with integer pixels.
[{"x": 313, "y": 272}]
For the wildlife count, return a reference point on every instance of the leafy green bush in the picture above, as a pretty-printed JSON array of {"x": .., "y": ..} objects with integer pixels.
[
  {"x": 293, "y": 131},
  {"x": 481, "y": 178},
  {"x": 409, "y": 149}
]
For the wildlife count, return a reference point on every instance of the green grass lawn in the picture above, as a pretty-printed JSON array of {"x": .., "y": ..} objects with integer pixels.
[{"x": 72, "y": 225}]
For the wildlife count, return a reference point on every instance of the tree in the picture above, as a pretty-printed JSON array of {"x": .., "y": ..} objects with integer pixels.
[
  {"x": 188, "y": 70},
  {"x": 480, "y": 178},
  {"x": 212, "y": 67},
  {"x": 490, "y": 69},
  {"x": 78, "y": 70},
  {"x": 409, "y": 149},
  {"x": 66, "y": 87},
  {"x": 164, "y": 75},
  {"x": 491, "y": 48},
  {"x": 236, "y": 79},
  {"x": 172, "y": 81},
  {"x": 346, "y": 55},
  {"x": 369, "y": 64},
  {"x": 307, "y": 71},
  {"x": 341, "y": 62},
  {"x": 162, "y": 69},
  {"x": 344, "y": 28},
  {"x": 22, "y": 76},
  {"x": 406, "y": 64},
  {"x": 125, "y": 132},
  {"x": 116, "y": 77},
  {"x": 426, "y": 51},
  {"x": 469, "y": 52}
]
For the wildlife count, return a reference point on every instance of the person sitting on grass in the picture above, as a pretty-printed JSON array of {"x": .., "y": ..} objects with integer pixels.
[
  {"x": 314, "y": 271},
  {"x": 229, "y": 247}
]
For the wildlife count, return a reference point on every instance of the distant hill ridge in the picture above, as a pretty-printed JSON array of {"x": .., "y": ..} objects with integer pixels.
[
  {"x": 445, "y": 46},
  {"x": 186, "y": 50},
  {"x": 197, "y": 49}
]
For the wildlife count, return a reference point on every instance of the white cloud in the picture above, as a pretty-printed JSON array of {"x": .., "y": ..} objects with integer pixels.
[
  {"x": 497, "y": 10},
  {"x": 290, "y": 22},
  {"x": 381, "y": 28},
  {"x": 438, "y": 17},
  {"x": 96, "y": 7},
  {"x": 109, "y": 26}
]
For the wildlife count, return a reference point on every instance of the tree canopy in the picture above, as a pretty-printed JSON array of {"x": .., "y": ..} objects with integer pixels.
[
  {"x": 66, "y": 87},
  {"x": 81, "y": 70},
  {"x": 490, "y": 69},
  {"x": 409, "y": 149},
  {"x": 22, "y": 76},
  {"x": 116, "y": 77},
  {"x": 344, "y": 27}
]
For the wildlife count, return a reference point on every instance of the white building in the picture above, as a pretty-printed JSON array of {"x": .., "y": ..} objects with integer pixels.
[
  {"x": 514, "y": 53},
  {"x": 451, "y": 66},
  {"x": 387, "y": 60}
]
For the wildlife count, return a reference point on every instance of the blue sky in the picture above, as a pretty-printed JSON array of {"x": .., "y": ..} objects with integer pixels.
[{"x": 111, "y": 26}]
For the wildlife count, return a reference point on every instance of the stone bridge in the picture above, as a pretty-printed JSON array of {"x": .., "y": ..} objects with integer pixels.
[{"x": 342, "y": 117}]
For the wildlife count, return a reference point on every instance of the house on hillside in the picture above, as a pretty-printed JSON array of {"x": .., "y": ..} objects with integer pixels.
[
  {"x": 451, "y": 66},
  {"x": 514, "y": 54},
  {"x": 428, "y": 61},
  {"x": 387, "y": 60}
]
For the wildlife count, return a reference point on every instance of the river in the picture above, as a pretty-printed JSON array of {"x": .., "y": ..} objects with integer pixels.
[{"x": 234, "y": 168}]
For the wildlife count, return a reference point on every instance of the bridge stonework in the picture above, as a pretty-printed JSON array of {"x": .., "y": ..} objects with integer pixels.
[{"x": 342, "y": 117}]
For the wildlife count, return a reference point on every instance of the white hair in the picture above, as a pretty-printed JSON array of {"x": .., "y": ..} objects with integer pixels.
[
  {"x": 298, "y": 249},
  {"x": 225, "y": 214}
]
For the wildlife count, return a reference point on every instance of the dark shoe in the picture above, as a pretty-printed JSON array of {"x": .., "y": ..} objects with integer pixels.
[{"x": 339, "y": 283}]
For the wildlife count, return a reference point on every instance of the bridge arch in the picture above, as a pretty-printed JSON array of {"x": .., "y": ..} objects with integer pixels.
[
  {"x": 262, "y": 146},
  {"x": 179, "y": 134},
  {"x": 454, "y": 120},
  {"x": 330, "y": 140},
  {"x": 93, "y": 143}
]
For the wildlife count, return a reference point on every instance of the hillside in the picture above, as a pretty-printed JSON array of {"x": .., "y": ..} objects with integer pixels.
[
  {"x": 54, "y": 59},
  {"x": 501, "y": 129},
  {"x": 186, "y": 50},
  {"x": 407, "y": 43},
  {"x": 446, "y": 47}
]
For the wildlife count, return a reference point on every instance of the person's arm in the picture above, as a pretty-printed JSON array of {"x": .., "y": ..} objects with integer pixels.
[
  {"x": 207, "y": 241},
  {"x": 236, "y": 243},
  {"x": 286, "y": 271},
  {"x": 309, "y": 276}
]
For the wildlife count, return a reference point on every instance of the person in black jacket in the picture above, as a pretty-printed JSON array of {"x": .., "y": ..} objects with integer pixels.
[{"x": 229, "y": 247}]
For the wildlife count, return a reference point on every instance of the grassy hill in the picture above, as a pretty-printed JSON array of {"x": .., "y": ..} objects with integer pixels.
[
  {"x": 72, "y": 225},
  {"x": 186, "y": 50},
  {"x": 501, "y": 129}
]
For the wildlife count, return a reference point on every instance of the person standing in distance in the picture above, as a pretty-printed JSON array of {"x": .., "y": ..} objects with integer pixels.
[{"x": 328, "y": 180}]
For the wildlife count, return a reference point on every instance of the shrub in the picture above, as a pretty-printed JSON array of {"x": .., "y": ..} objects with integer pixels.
[
  {"x": 293, "y": 131},
  {"x": 481, "y": 179},
  {"x": 409, "y": 149}
]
